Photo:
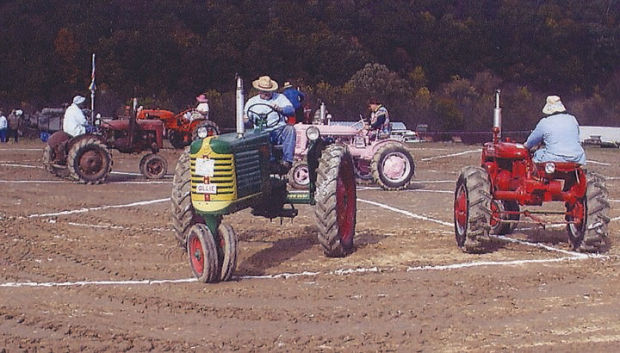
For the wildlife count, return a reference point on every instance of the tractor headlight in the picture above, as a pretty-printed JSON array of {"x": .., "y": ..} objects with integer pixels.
[
  {"x": 549, "y": 168},
  {"x": 202, "y": 132},
  {"x": 313, "y": 133}
]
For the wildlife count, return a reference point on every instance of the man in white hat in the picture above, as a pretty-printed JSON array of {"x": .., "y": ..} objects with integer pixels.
[
  {"x": 559, "y": 131},
  {"x": 74, "y": 122},
  {"x": 276, "y": 107}
]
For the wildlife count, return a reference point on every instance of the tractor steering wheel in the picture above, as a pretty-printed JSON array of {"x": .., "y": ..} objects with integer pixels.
[{"x": 259, "y": 117}]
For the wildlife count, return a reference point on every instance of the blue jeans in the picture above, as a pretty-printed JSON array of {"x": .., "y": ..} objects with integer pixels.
[
  {"x": 2, "y": 135},
  {"x": 285, "y": 136}
]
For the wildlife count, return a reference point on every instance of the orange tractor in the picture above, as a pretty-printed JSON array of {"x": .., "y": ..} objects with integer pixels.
[{"x": 182, "y": 128}]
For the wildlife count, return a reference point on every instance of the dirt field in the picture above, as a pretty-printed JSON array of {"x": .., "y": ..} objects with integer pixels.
[{"x": 96, "y": 268}]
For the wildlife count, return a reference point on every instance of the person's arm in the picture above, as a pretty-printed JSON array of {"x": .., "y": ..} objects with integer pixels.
[
  {"x": 284, "y": 106},
  {"x": 536, "y": 136},
  {"x": 379, "y": 122}
]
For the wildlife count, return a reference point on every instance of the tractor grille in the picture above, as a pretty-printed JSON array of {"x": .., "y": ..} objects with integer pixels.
[{"x": 248, "y": 169}]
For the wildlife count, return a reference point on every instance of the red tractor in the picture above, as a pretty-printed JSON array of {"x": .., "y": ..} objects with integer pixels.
[
  {"x": 182, "y": 128},
  {"x": 87, "y": 159},
  {"x": 488, "y": 198}
]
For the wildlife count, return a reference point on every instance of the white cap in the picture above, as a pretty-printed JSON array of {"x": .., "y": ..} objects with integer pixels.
[{"x": 78, "y": 100}]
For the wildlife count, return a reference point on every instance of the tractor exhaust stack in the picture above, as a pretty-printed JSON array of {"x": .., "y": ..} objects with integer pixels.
[
  {"x": 497, "y": 119},
  {"x": 239, "y": 103}
]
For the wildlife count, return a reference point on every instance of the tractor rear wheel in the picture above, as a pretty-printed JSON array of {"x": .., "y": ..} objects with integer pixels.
[
  {"x": 588, "y": 232},
  {"x": 89, "y": 161},
  {"x": 472, "y": 209},
  {"x": 299, "y": 175},
  {"x": 498, "y": 209},
  {"x": 48, "y": 161},
  {"x": 153, "y": 166},
  {"x": 336, "y": 200},
  {"x": 212, "y": 129},
  {"x": 226, "y": 251},
  {"x": 176, "y": 139},
  {"x": 392, "y": 166},
  {"x": 202, "y": 252},
  {"x": 183, "y": 214}
]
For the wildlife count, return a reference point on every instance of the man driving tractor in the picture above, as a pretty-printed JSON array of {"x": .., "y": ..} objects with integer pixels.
[
  {"x": 559, "y": 131},
  {"x": 275, "y": 106}
]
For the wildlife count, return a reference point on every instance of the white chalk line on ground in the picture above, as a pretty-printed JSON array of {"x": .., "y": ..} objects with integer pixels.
[
  {"x": 452, "y": 155},
  {"x": 82, "y": 210},
  {"x": 18, "y": 165},
  {"x": 573, "y": 256}
]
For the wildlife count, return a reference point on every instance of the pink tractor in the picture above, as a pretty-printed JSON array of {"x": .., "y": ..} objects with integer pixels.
[{"x": 384, "y": 161}]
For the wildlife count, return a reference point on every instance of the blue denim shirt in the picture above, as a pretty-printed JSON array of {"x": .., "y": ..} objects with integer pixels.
[{"x": 560, "y": 134}]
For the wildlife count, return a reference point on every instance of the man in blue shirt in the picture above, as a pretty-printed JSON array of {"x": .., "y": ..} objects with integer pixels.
[
  {"x": 296, "y": 97},
  {"x": 559, "y": 131},
  {"x": 274, "y": 105}
]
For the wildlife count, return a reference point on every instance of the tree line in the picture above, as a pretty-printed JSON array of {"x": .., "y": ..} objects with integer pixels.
[{"x": 430, "y": 61}]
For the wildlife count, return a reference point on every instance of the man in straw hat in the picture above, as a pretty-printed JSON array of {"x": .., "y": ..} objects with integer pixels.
[
  {"x": 559, "y": 131},
  {"x": 276, "y": 106}
]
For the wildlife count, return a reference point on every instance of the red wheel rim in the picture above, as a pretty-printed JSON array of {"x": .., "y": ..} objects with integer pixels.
[
  {"x": 460, "y": 209},
  {"x": 154, "y": 167},
  {"x": 495, "y": 213},
  {"x": 91, "y": 162},
  {"x": 197, "y": 254},
  {"x": 345, "y": 202}
]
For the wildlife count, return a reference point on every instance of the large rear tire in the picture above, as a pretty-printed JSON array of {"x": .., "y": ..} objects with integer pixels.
[
  {"x": 589, "y": 233},
  {"x": 176, "y": 139},
  {"x": 336, "y": 200},
  {"x": 153, "y": 166},
  {"x": 202, "y": 253},
  {"x": 472, "y": 209},
  {"x": 89, "y": 161},
  {"x": 182, "y": 211},
  {"x": 392, "y": 166}
]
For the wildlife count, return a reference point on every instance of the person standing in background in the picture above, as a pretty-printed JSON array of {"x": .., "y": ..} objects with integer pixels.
[
  {"x": 3, "y": 126},
  {"x": 14, "y": 124},
  {"x": 296, "y": 97}
]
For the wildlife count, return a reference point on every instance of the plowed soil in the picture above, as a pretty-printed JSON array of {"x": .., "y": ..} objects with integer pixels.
[{"x": 96, "y": 268}]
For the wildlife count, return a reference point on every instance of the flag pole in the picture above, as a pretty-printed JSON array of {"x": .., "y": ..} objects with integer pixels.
[{"x": 92, "y": 89}]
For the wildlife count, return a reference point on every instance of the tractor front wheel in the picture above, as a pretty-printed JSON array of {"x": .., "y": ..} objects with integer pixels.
[
  {"x": 504, "y": 216},
  {"x": 227, "y": 245},
  {"x": 299, "y": 175},
  {"x": 89, "y": 161},
  {"x": 336, "y": 200},
  {"x": 589, "y": 217},
  {"x": 153, "y": 166},
  {"x": 472, "y": 209},
  {"x": 202, "y": 252}
]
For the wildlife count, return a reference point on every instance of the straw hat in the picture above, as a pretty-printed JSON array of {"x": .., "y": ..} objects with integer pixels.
[
  {"x": 554, "y": 105},
  {"x": 265, "y": 84},
  {"x": 286, "y": 85}
]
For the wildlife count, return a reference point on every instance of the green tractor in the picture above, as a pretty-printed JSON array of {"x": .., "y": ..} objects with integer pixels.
[{"x": 220, "y": 175}]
